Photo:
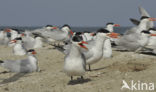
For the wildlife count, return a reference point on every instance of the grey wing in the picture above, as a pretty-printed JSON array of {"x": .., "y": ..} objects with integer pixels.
[
  {"x": 131, "y": 37},
  {"x": 64, "y": 49},
  {"x": 67, "y": 49},
  {"x": 25, "y": 66},
  {"x": 126, "y": 43},
  {"x": 134, "y": 21},
  {"x": 88, "y": 54},
  {"x": 13, "y": 66},
  {"x": 28, "y": 42},
  {"x": 131, "y": 31},
  {"x": 143, "y": 12},
  {"x": 60, "y": 48},
  {"x": 90, "y": 44},
  {"x": 54, "y": 34},
  {"x": 128, "y": 46}
]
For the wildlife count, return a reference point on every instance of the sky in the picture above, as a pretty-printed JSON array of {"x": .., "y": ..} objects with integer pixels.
[{"x": 72, "y": 12}]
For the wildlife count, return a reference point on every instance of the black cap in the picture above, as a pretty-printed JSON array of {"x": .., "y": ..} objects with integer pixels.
[
  {"x": 152, "y": 29},
  {"x": 110, "y": 23},
  {"x": 78, "y": 33},
  {"x": 102, "y": 31},
  {"x": 66, "y": 25},
  {"x": 145, "y": 31},
  {"x": 77, "y": 38},
  {"x": 144, "y": 17},
  {"x": 19, "y": 38},
  {"x": 30, "y": 50},
  {"x": 48, "y": 26}
]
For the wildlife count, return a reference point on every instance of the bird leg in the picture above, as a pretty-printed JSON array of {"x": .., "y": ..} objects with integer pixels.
[
  {"x": 71, "y": 78},
  {"x": 38, "y": 70},
  {"x": 139, "y": 49},
  {"x": 82, "y": 77},
  {"x": 89, "y": 67}
]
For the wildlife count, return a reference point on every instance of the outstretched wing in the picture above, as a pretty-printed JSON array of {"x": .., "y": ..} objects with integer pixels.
[
  {"x": 143, "y": 12},
  {"x": 53, "y": 34},
  {"x": 134, "y": 21}
]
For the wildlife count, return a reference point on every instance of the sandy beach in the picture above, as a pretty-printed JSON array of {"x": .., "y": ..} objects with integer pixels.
[{"x": 106, "y": 75}]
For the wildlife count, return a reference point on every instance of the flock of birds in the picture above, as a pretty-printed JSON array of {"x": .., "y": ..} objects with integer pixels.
[{"x": 80, "y": 48}]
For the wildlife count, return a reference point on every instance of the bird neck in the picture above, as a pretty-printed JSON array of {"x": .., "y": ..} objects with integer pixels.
[
  {"x": 99, "y": 41},
  {"x": 13, "y": 36},
  {"x": 110, "y": 28},
  {"x": 107, "y": 43},
  {"x": 32, "y": 58},
  {"x": 143, "y": 25},
  {"x": 74, "y": 51},
  {"x": 66, "y": 30}
]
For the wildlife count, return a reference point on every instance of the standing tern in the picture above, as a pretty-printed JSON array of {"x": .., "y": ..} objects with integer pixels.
[
  {"x": 107, "y": 49},
  {"x": 75, "y": 62},
  {"x": 95, "y": 47}
]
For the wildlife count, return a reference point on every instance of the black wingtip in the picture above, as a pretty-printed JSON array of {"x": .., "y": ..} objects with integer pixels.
[
  {"x": 1, "y": 61},
  {"x": 134, "y": 21}
]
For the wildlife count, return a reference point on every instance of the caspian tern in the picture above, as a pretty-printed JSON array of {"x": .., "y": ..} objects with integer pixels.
[
  {"x": 95, "y": 47},
  {"x": 129, "y": 41},
  {"x": 22, "y": 66},
  {"x": 63, "y": 34},
  {"x": 75, "y": 62},
  {"x": 110, "y": 26},
  {"x": 38, "y": 42},
  {"x": 18, "y": 48},
  {"x": 139, "y": 43},
  {"x": 143, "y": 12},
  {"x": 152, "y": 39},
  {"x": 107, "y": 49},
  {"x": 14, "y": 33}
]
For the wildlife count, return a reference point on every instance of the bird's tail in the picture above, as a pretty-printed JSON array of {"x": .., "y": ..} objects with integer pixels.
[{"x": 1, "y": 61}]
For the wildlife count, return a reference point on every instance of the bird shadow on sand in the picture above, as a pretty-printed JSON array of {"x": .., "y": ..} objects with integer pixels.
[
  {"x": 13, "y": 78},
  {"x": 99, "y": 68},
  {"x": 78, "y": 81},
  {"x": 4, "y": 72},
  {"x": 148, "y": 53},
  {"x": 122, "y": 50}
]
